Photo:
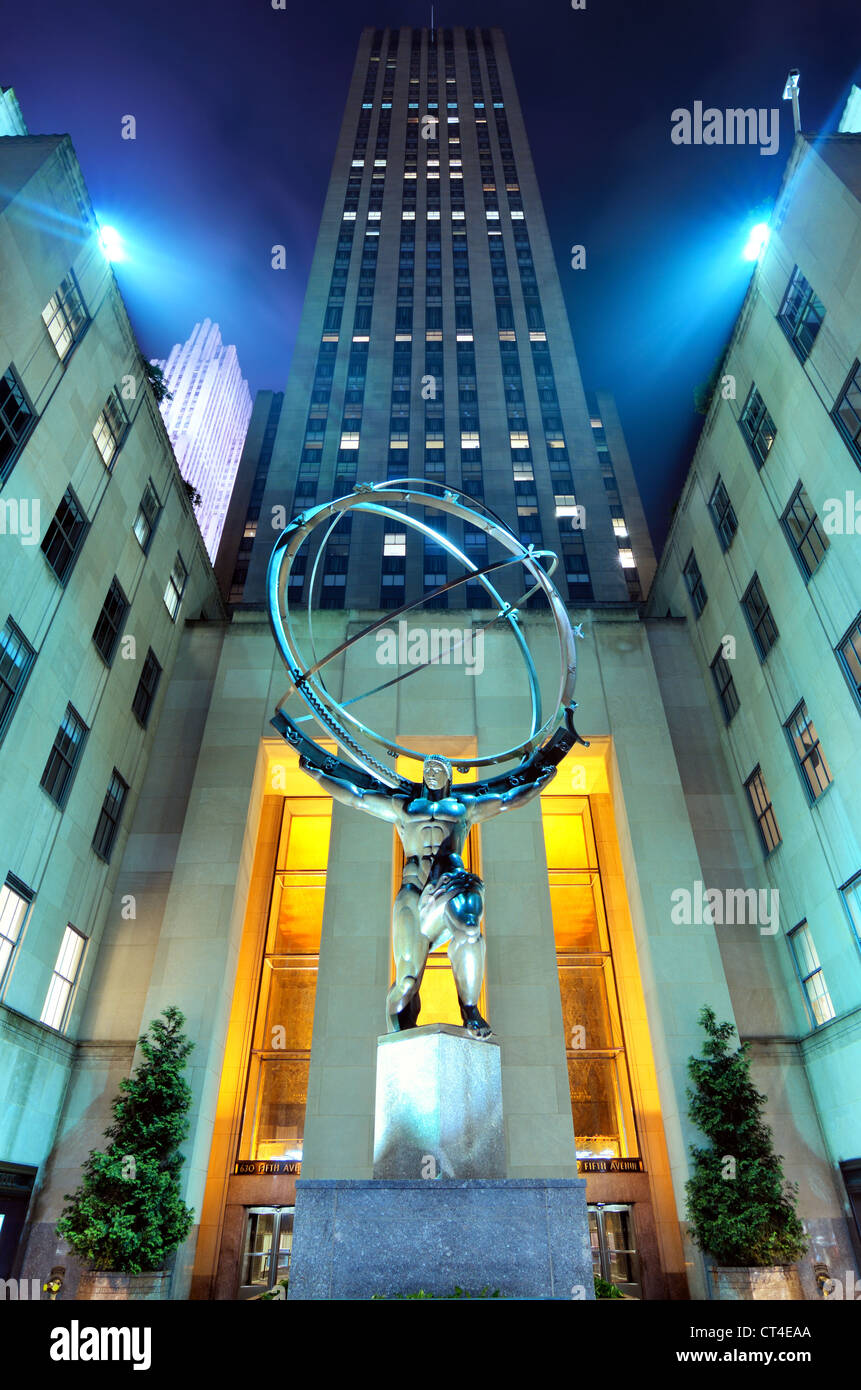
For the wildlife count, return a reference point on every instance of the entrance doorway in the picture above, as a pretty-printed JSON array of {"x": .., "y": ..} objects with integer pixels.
[
  {"x": 16, "y": 1187},
  {"x": 266, "y": 1255},
  {"x": 614, "y": 1246}
]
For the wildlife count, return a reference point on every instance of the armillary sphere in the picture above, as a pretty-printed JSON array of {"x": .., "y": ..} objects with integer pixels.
[{"x": 386, "y": 500}]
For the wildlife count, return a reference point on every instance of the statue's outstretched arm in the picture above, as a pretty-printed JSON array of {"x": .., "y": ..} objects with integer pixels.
[
  {"x": 487, "y": 806},
  {"x": 384, "y": 803}
]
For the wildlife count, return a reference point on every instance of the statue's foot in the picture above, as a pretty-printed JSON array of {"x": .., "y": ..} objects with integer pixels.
[
  {"x": 402, "y": 1006},
  {"x": 474, "y": 1023}
]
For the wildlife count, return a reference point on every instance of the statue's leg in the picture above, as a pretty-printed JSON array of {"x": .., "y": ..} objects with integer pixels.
[
  {"x": 466, "y": 954},
  {"x": 410, "y": 950}
]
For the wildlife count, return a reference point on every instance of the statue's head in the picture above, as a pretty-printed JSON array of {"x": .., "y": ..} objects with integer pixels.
[{"x": 436, "y": 773}]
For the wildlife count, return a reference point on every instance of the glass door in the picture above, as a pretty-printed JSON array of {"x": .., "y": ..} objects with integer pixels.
[
  {"x": 614, "y": 1246},
  {"x": 266, "y": 1256}
]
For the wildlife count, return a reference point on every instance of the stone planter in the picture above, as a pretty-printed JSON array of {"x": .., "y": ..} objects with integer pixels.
[
  {"x": 103, "y": 1284},
  {"x": 743, "y": 1282}
]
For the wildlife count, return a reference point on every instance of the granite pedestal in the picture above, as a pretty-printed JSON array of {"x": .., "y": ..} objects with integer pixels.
[
  {"x": 439, "y": 1105},
  {"x": 527, "y": 1237}
]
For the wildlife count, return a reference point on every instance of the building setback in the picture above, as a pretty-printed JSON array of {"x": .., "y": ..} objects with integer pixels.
[
  {"x": 101, "y": 563},
  {"x": 207, "y": 420}
]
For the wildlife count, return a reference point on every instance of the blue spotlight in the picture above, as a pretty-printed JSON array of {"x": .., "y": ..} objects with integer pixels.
[
  {"x": 757, "y": 241},
  {"x": 112, "y": 244}
]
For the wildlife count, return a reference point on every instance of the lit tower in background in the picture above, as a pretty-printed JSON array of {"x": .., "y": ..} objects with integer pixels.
[{"x": 207, "y": 420}]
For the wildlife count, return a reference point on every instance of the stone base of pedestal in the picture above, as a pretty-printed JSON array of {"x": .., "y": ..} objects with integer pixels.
[
  {"x": 526, "y": 1237},
  {"x": 439, "y": 1105}
]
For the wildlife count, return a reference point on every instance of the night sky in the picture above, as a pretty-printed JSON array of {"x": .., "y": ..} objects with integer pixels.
[{"x": 238, "y": 108}]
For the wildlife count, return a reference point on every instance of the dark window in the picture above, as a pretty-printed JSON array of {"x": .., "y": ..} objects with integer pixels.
[
  {"x": 16, "y": 658},
  {"x": 758, "y": 613},
  {"x": 847, "y": 412},
  {"x": 147, "y": 687},
  {"x": 696, "y": 587},
  {"x": 16, "y": 421},
  {"x": 723, "y": 515},
  {"x": 109, "y": 818},
  {"x": 806, "y": 537},
  {"x": 64, "y": 536},
  {"x": 757, "y": 426},
  {"x": 849, "y": 656},
  {"x": 107, "y": 630},
  {"x": 147, "y": 517},
  {"x": 175, "y": 586},
  {"x": 801, "y": 314},
  {"x": 804, "y": 740},
  {"x": 762, "y": 810},
  {"x": 725, "y": 686},
  {"x": 63, "y": 757}
]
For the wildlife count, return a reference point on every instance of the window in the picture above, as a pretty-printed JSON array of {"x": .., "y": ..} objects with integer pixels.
[
  {"x": 65, "y": 316},
  {"x": 109, "y": 817},
  {"x": 147, "y": 517},
  {"x": 851, "y": 895},
  {"x": 395, "y": 543},
  {"x": 696, "y": 587},
  {"x": 805, "y": 744},
  {"x": 723, "y": 515},
  {"x": 15, "y": 900},
  {"x": 725, "y": 685},
  {"x": 110, "y": 428},
  {"x": 846, "y": 413},
  {"x": 757, "y": 426},
  {"x": 806, "y": 537},
  {"x": 56, "y": 1010},
  {"x": 16, "y": 658},
  {"x": 16, "y": 421},
  {"x": 758, "y": 613},
  {"x": 147, "y": 687},
  {"x": 63, "y": 757},
  {"x": 810, "y": 974},
  {"x": 762, "y": 810},
  {"x": 175, "y": 586},
  {"x": 64, "y": 536},
  {"x": 107, "y": 630},
  {"x": 848, "y": 654},
  {"x": 801, "y": 314}
]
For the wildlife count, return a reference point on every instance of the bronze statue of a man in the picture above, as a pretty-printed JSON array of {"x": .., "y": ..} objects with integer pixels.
[{"x": 439, "y": 899}]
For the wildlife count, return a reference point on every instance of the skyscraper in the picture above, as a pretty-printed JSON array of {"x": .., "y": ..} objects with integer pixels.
[
  {"x": 435, "y": 343},
  {"x": 207, "y": 420}
]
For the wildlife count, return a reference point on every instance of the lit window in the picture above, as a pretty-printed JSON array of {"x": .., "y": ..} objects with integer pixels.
[
  {"x": 518, "y": 439},
  {"x": 757, "y": 426},
  {"x": 147, "y": 517},
  {"x": 395, "y": 543},
  {"x": 848, "y": 653},
  {"x": 63, "y": 979},
  {"x": 566, "y": 504},
  {"x": 65, "y": 316},
  {"x": 15, "y": 900},
  {"x": 110, "y": 428},
  {"x": 804, "y": 741},
  {"x": 175, "y": 587},
  {"x": 850, "y": 892},
  {"x": 626, "y": 559},
  {"x": 620, "y": 528},
  {"x": 847, "y": 412},
  {"x": 762, "y": 810},
  {"x": 469, "y": 440},
  {"x": 350, "y": 440},
  {"x": 810, "y": 974}
]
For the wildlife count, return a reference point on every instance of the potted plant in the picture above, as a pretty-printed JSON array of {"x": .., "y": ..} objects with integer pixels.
[
  {"x": 127, "y": 1217},
  {"x": 740, "y": 1208}
]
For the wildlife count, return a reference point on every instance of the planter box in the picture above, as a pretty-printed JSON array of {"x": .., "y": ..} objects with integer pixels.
[
  {"x": 772, "y": 1282},
  {"x": 104, "y": 1284}
]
